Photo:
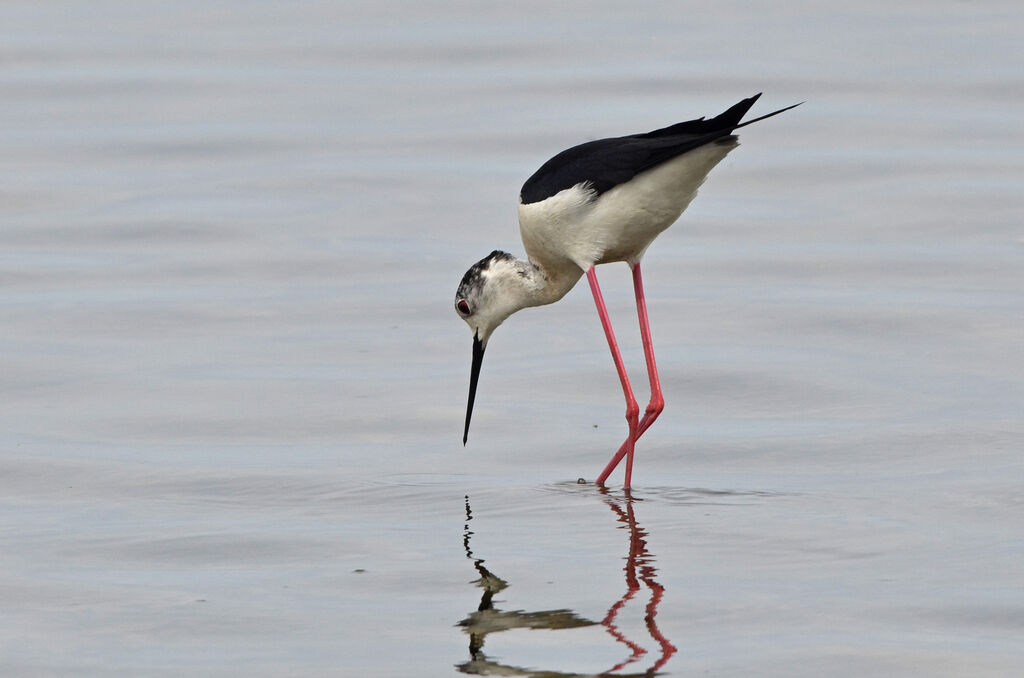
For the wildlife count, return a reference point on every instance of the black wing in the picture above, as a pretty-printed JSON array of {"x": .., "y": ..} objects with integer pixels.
[{"x": 606, "y": 163}]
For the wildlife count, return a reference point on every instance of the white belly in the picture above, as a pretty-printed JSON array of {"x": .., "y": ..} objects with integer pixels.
[{"x": 621, "y": 222}]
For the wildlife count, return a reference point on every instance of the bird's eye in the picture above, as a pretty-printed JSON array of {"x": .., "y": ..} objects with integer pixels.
[{"x": 463, "y": 306}]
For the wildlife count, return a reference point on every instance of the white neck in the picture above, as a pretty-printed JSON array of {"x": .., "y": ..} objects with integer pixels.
[
  {"x": 505, "y": 285},
  {"x": 539, "y": 285}
]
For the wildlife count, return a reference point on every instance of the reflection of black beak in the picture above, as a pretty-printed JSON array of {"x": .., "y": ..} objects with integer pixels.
[{"x": 474, "y": 375}]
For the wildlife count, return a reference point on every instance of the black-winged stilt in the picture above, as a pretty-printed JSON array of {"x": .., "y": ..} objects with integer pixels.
[{"x": 596, "y": 203}]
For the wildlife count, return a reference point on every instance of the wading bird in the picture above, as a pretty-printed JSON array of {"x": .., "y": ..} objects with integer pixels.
[{"x": 596, "y": 203}]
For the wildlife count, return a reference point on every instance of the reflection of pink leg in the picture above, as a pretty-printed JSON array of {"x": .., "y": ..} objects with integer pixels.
[
  {"x": 609, "y": 623},
  {"x": 632, "y": 409},
  {"x": 640, "y": 559},
  {"x": 667, "y": 648},
  {"x": 632, "y": 586},
  {"x": 657, "y": 403}
]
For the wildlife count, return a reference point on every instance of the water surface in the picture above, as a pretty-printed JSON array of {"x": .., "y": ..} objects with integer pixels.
[{"x": 232, "y": 379}]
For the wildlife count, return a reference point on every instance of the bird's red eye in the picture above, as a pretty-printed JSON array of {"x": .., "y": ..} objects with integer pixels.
[{"x": 463, "y": 307}]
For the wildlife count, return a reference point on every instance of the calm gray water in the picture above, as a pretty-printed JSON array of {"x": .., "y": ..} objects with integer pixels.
[{"x": 232, "y": 382}]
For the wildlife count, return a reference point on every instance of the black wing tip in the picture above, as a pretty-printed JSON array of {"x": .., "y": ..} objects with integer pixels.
[
  {"x": 732, "y": 116},
  {"x": 723, "y": 123},
  {"x": 730, "y": 119},
  {"x": 768, "y": 115}
]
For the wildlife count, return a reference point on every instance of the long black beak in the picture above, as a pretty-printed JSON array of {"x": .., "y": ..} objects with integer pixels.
[{"x": 474, "y": 375}]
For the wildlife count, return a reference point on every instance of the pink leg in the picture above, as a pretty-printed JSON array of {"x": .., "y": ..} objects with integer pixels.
[
  {"x": 657, "y": 403},
  {"x": 632, "y": 409}
]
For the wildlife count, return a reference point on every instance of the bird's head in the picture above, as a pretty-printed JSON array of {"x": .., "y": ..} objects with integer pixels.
[
  {"x": 490, "y": 291},
  {"x": 488, "y": 294}
]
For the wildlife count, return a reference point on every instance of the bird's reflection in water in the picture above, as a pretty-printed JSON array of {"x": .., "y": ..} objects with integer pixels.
[{"x": 487, "y": 619}]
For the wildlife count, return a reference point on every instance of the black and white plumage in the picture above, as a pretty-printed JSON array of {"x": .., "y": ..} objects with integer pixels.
[
  {"x": 595, "y": 203},
  {"x": 606, "y": 163}
]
